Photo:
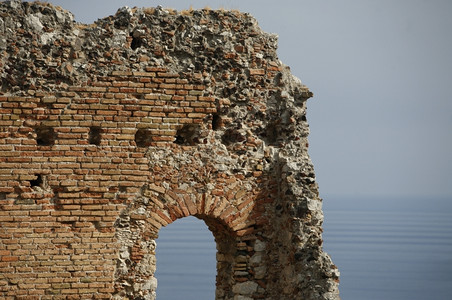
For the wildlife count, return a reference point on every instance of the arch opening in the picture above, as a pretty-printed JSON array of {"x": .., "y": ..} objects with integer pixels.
[
  {"x": 139, "y": 271},
  {"x": 186, "y": 261}
]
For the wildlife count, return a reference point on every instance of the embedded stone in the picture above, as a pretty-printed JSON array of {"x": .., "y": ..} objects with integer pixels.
[{"x": 245, "y": 288}]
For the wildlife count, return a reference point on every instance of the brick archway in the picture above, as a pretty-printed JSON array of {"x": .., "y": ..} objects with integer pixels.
[{"x": 139, "y": 224}]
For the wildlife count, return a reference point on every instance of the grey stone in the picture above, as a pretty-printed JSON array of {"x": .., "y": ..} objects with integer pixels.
[
  {"x": 245, "y": 288},
  {"x": 34, "y": 22},
  {"x": 259, "y": 246},
  {"x": 260, "y": 272}
]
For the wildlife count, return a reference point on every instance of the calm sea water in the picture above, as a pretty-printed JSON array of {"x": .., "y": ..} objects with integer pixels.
[
  {"x": 186, "y": 262},
  {"x": 392, "y": 249},
  {"x": 384, "y": 250}
]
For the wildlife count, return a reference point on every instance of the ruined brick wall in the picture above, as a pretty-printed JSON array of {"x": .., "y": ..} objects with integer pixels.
[{"x": 112, "y": 130}]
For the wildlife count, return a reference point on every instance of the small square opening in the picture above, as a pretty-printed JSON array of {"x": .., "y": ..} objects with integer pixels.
[
  {"x": 94, "y": 137},
  {"x": 45, "y": 136},
  {"x": 143, "y": 138}
]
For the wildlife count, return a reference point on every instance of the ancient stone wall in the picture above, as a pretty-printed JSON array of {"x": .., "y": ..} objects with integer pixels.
[{"x": 112, "y": 130}]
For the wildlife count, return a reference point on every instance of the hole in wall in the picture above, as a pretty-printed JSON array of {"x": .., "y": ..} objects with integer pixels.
[
  {"x": 2, "y": 196},
  {"x": 97, "y": 225},
  {"x": 231, "y": 136},
  {"x": 187, "y": 135},
  {"x": 143, "y": 138},
  {"x": 36, "y": 182},
  {"x": 94, "y": 135},
  {"x": 137, "y": 41},
  {"x": 186, "y": 261},
  {"x": 217, "y": 122},
  {"x": 68, "y": 223},
  {"x": 278, "y": 79},
  {"x": 271, "y": 133},
  {"x": 45, "y": 136}
]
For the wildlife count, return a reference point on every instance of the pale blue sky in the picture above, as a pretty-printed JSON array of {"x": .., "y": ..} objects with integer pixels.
[{"x": 381, "y": 73}]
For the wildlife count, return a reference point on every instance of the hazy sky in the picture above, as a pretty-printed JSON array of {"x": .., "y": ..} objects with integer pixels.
[{"x": 381, "y": 73}]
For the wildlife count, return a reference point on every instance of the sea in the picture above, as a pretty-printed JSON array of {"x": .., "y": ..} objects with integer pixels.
[{"x": 386, "y": 248}]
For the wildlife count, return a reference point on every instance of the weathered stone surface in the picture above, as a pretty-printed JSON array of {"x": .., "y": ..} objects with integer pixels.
[
  {"x": 112, "y": 130},
  {"x": 245, "y": 288}
]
